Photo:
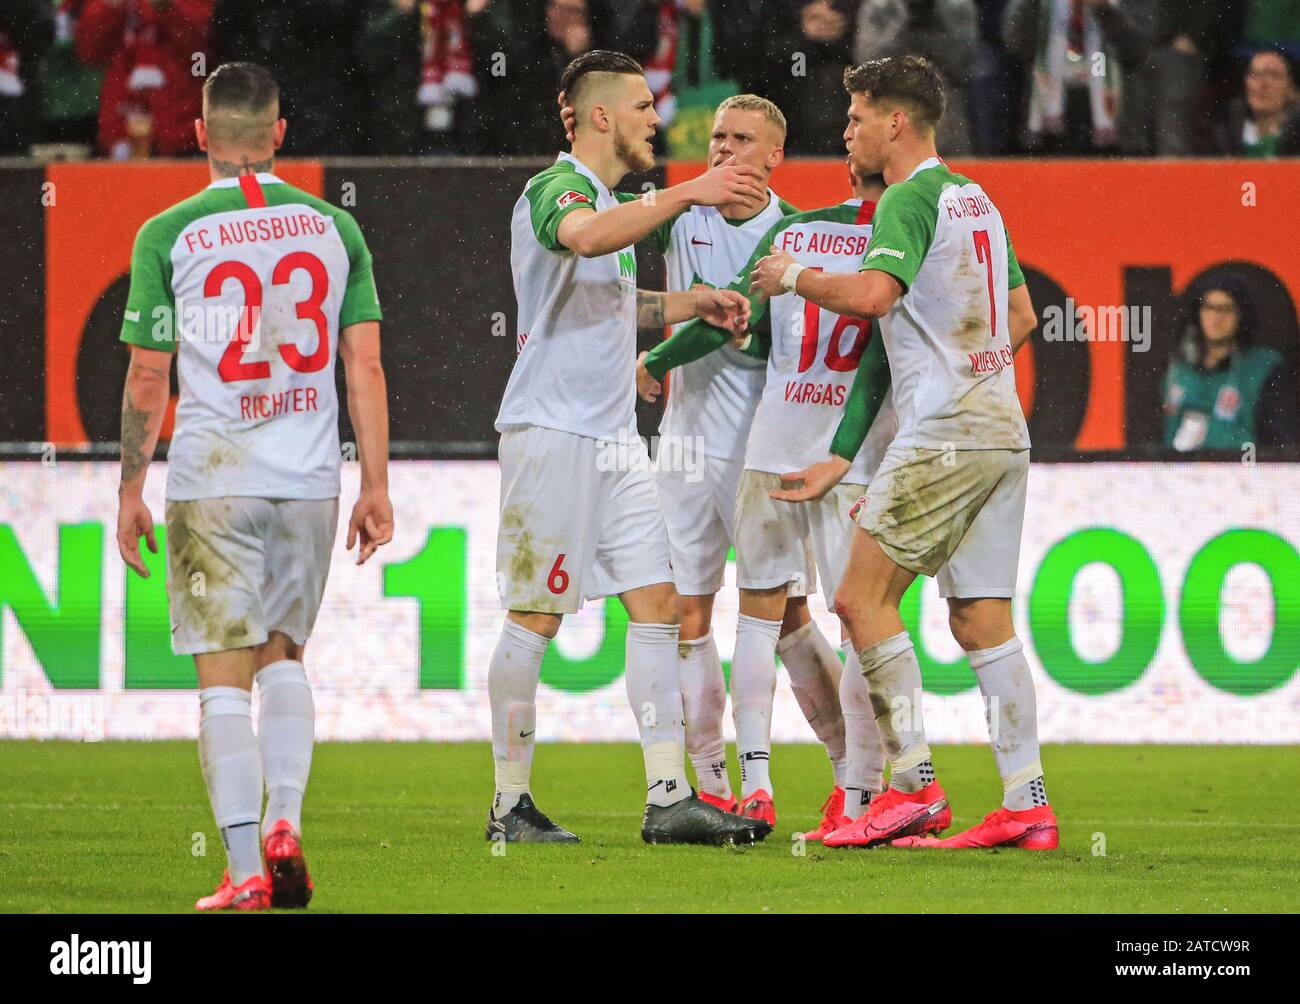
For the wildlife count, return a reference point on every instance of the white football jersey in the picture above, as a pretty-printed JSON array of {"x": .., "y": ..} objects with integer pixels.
[
  {"x": 576, "y": 326},
  {"x": 250, "y": 282},
  {"x": 947, "y": 336},
  {"x": 815, "y": 354},
  {"x": 714, "y": 398}
]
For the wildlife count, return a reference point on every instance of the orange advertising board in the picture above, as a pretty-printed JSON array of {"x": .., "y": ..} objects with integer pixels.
[{"x": 1082, "y": 222}]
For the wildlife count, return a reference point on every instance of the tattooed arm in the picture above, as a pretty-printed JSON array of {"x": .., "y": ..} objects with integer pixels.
[
  {"x": 144, "y": 402},
  {"x": 723, "y": 308}
]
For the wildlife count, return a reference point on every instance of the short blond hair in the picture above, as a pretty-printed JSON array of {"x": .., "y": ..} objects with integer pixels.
[{"x": 754, "y": 103}]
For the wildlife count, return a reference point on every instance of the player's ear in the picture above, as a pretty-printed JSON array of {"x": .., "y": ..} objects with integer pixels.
[
  {"x": 277, "y": 132},
  {"x": 201, "y": 134},
  {"x": 775, "y": 158},
  {"x": 599, "y": 117}
]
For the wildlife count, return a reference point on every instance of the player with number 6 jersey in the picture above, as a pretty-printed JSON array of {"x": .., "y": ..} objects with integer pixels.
[
  {"x": 580, "y": 518},
  {"x": 255, "y": 287}
]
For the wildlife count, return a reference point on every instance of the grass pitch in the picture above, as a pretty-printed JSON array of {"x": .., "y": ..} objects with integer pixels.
[{"x": 125, "y": 827}]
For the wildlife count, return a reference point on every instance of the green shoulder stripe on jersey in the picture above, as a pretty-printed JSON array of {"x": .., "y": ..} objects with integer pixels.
[
  {"x": 151, "y": 302},
  {"x": 552, "y": 195},
  {"x": 786, "y": 208},
  {"x": 1015, "y": 277},
  {"x": 904, "y": 223},
  {"x": 865, "y": 398}
]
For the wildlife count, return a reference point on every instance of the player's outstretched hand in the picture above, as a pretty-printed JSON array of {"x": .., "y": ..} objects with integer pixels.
[
  {"x": 729, "y": 183},
  {"x": 647, "y": 386},
  {"x": 725, "y": 309},
  {"x": 133, "y": 522},
  {"x": 372, "y": 522},
  {"x": 766, "y": 275},
  {"x": 568, "y": 117},
  {"x": 818, "y": 479}
]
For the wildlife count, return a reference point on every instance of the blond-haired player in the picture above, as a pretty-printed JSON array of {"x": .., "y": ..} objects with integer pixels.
[{"x": 710, "y": 410}]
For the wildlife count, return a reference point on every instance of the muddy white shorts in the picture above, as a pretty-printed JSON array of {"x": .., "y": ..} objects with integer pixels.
[
  {"x": 240, "y": 568},
  {"x": 580, "y": 520},
  {"x": 699, "y": 507},
  {"x": 955, "y": 515},
  {"x": 798, "y": 543}
]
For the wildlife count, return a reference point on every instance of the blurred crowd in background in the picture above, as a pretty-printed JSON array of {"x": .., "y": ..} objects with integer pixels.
[{"x": 122, "y": 78}]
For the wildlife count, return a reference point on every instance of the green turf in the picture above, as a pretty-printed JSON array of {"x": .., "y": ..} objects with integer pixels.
[{"x": 399, "y": 827}]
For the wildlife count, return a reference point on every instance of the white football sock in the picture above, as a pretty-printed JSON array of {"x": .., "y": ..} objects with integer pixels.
[
  {"x": 286, "y": 729},
  {"x": 232, "y": 770},
  {"x": 1012, "y": 714},
  {"x": 894, "y": 679},
  {"x": 704, "y": 700},
  {"x": 654, "y": 691},
  {"x": 512, "y": 692},
  {"x": 815, "y": 672},
  {"x": 864, "y": 777},
  {"x": 753, "y": 684}
]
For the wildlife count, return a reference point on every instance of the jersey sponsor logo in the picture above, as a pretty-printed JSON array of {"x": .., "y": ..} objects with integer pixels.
[
  {"x": 815, "y": 242},
  {"x": 900, "y": 255},
  {"x": 707, "y": 244},
  {"x": 799, "y": 392},
  {"x": 132, "y": 315},
  {"x": 990, "y": 361},
  {"x": 571, "y": 197}
]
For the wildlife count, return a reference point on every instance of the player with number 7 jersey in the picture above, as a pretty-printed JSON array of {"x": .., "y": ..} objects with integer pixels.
[
  {"x": 254, "y": 287},
  {"x": 948, "y": 499}
]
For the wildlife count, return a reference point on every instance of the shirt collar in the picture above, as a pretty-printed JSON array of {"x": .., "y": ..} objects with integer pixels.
[
  {"x": 583, "y": 170},
  {"x": 263, "y": 178},
  {"x": 925, "y": 165}
]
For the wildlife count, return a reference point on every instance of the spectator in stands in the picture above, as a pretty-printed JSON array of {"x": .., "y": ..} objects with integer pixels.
[
  {"x": 1221, "y": 391},
  {"x": 994, "y": 84},
  {"x": 26, "y": 31},
  {"x": 310, "y": 48},
  {"x": 69, "y": 88},
  {"x": 1267, "y": 122},
  {"x": 151, "y": 94},
  {"x": 943, "y": 31},
  {"x": 1267, "y": 24},
  {"x": 808, "y": 45},
  {"x": 418, "y": 62},
  {"x": 1084, "y": 55},
  {"x": 1189, "y": 42}
]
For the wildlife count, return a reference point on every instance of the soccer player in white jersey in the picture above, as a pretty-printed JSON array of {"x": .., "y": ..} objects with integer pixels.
[
  {"x": 813, "y": 357},
  {"x": 708, "y": 417},
  {"x": 254, "y": 287},
  {"x": 579, "y": 515},
  {"x": 948, "y": 499}
]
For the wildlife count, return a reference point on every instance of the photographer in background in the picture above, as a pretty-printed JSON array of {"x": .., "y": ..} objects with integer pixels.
[{"x": 1221, "y": 391}]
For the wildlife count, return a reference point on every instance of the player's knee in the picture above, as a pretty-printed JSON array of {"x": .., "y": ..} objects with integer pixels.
[
  {"x": 796, "y": 615},
  {"x": 546, "y": 625},
  {"x": 696, "y": 619},
  {"x": 848, "y": 608},
  {"x": 979, "y": 625}
]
